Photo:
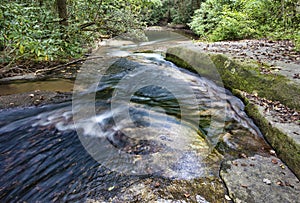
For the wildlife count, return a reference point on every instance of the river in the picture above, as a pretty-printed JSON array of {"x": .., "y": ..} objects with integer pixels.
[{"x": 143, "y": 130}]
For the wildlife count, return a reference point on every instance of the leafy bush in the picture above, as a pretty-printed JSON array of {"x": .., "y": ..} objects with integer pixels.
[
  {"x": 232, "y": 26},
  {"x": 33, "y": 32},
  {"x": 30, "y": 30},
  {"x": 207, "y": 17},
  {"x": 240, "y": 19},
  {"x": 176, "y": 12}
]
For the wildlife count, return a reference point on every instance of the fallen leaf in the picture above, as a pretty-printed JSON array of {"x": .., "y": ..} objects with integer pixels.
[
  {"x": 235, "y": 163},
  {"x": 267, "y": 181},
  {"x": 157, "y": 184},
  {"x": 227, "y": 198},
  {"x": 272, "y": 152},
  {"x": 288, "y": 184},
  {"x": 243, "y": 155},
  {"x": 279, "y": 183},
  {"x": 111, "y": 188}
]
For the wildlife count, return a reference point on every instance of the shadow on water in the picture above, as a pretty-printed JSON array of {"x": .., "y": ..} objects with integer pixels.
[{"x": 161, "y": 151}]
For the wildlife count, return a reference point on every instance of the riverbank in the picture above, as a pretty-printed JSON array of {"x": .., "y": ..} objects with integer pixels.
[
  {"x": 38, "y": 79},
  {"x": 33, "y": 98}
]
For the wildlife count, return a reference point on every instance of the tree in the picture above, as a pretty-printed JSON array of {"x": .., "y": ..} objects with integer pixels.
[
  {"x": 43, "y": 30},
  {"x": 239, "y": 19},
  {"x": 62, "y": 11}
]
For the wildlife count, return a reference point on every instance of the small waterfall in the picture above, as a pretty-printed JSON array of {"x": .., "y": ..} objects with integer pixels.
[{"x": 145, "y": 117}]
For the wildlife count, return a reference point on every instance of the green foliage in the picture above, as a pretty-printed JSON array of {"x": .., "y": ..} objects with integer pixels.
[
  {"x": 156, "y": 13},
  {"x": 233, "y": 25},
  {"x": 181, "y": 11},
  {"x": 207, "y": 17},
  {"x": 30, "y": 30},
  {"x": 177, "y": 12},
  {"x": 240, "y": 19}
]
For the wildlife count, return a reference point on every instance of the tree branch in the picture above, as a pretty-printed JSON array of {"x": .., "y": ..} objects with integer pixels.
[
  {"x": 67, "y": 64},
  {"x": 86, "y": 25}
]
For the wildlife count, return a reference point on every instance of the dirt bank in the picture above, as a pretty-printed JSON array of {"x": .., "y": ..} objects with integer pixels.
[{"x": 33, "y": 98}]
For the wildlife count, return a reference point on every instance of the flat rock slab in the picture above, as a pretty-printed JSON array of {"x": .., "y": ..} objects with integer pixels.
[
  {"x": 260, "y": 179},
  {"x": 280, "y": 126},
  {"x": 290, "y": 129}
]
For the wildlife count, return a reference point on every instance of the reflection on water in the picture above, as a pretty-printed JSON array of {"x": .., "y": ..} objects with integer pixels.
[
  {"x": 62, "y": 85},
  {"x": 160, "y": 133}
]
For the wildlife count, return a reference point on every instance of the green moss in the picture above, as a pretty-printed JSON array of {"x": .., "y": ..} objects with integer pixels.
[
  {"x": 285, "y": 147},
  {"x": 247, "y": 77},
  {"x": 144, "y": 51},
  {"x": 234, "y": 75},
  {"x": 211, "y": 188},
  {"x": 179, "y": 62},
  {"x": 203, "y": 67}
]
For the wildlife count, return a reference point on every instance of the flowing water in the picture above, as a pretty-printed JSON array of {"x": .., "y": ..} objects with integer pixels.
[{"x": 147, "y": 130}]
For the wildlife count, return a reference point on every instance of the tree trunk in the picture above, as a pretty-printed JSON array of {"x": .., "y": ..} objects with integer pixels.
[
  {"x": 41, "y": 3},
  {"x": 62, "y": 11}
]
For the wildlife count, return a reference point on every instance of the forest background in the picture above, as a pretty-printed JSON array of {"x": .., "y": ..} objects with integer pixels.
[{"x": 60, "y": 30}]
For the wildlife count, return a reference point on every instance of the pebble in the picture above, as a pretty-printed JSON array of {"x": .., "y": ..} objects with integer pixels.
[{"x": 111, "y": 188}]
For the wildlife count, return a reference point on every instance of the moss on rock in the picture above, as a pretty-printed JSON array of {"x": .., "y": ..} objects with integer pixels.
[
  {"x": 286, "y": 148},
  {"x": 234, "y": 75}
]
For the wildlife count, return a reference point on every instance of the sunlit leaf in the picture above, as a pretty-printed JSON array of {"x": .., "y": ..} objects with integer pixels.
[{"x": 22, "y": 49}]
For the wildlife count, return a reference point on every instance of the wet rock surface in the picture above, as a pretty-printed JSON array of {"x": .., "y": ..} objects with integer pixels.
[
  {"x": 165, "y": 191},
  {"x": 260, "y": 179},
  {"x": 233, "y": 74}
]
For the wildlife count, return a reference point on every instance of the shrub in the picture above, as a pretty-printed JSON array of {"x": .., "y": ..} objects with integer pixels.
[{"x": 240, "y": 19}]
